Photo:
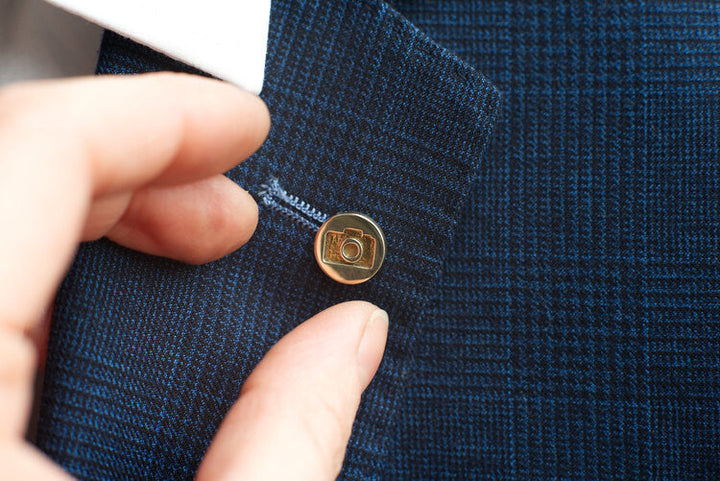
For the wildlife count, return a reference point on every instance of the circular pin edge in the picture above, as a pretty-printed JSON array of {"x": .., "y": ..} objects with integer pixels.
[{"x": 330, "y": 270}]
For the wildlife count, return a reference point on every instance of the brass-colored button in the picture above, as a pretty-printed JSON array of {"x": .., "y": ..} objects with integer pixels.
[{"x": 350, "y": 247}]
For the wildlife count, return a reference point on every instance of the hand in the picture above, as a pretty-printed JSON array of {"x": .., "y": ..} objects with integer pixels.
[{"x": 139, "y": 160}]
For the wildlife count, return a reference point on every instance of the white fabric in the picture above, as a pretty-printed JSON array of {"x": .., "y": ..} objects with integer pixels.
[
  {"x": 39, "y": 41},
  {"x": 225, "y": 38}
]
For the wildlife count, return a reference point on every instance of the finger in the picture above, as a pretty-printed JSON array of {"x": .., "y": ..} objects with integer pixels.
[
  {"x": 17, "y": 368},
  {"x": 164, "y": 127},
  {"x": 22, "y": 461},
  {"x": 68, "y": 141},
  {"x": 193, "y": 223},
  {"x": 104, "y": 212},
  {"x": 38, "y": 334},
  {"x": 296, "y": 410}
]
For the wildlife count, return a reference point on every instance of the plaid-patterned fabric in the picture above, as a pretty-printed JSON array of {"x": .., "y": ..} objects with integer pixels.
[
  {"x": 576, "y": 332},
  {"x": 369, "y": 115},
  {"x": 563, "y": 328}
]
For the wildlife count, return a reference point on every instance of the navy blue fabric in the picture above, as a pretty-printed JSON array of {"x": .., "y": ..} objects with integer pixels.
[
  {"x": 576, "y": 330},
  {"x": 146, "y": 355}
]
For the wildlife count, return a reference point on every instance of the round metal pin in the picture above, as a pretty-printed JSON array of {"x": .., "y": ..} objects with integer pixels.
[{"x": 350, "y": 247}]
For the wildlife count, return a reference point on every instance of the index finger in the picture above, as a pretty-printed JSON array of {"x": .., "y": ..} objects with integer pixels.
[
  {"x": 62, "y": 143},
  {"x": 162, "y": 127}
]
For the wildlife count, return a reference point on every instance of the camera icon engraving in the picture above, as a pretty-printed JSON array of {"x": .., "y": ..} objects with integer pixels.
[{"x": 351, "y": 247}]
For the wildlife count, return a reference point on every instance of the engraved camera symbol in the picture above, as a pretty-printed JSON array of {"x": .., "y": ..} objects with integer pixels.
[{"x": 349, "y": 248}]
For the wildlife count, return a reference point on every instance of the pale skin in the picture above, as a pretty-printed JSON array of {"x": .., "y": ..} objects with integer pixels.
[{"x": 140, "y": 160}]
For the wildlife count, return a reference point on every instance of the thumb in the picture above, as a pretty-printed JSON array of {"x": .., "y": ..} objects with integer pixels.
[{"x": 296, "y": 410}]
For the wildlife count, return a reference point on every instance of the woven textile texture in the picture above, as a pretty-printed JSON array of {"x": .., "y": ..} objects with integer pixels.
[
  {"x": 567, "y": 327},
  {"x": 576, "y": 331},
  {"x": 146, "y": 355}
]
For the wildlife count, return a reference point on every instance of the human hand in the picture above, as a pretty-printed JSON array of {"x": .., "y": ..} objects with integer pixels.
[{"x": 139, "y": 160}]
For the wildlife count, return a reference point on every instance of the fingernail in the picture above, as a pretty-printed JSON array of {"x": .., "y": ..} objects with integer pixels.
[{"x": 372, "y": 346}]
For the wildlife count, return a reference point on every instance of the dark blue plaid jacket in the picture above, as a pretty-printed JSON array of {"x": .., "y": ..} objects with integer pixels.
[{"x": 547, "y": 174}]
